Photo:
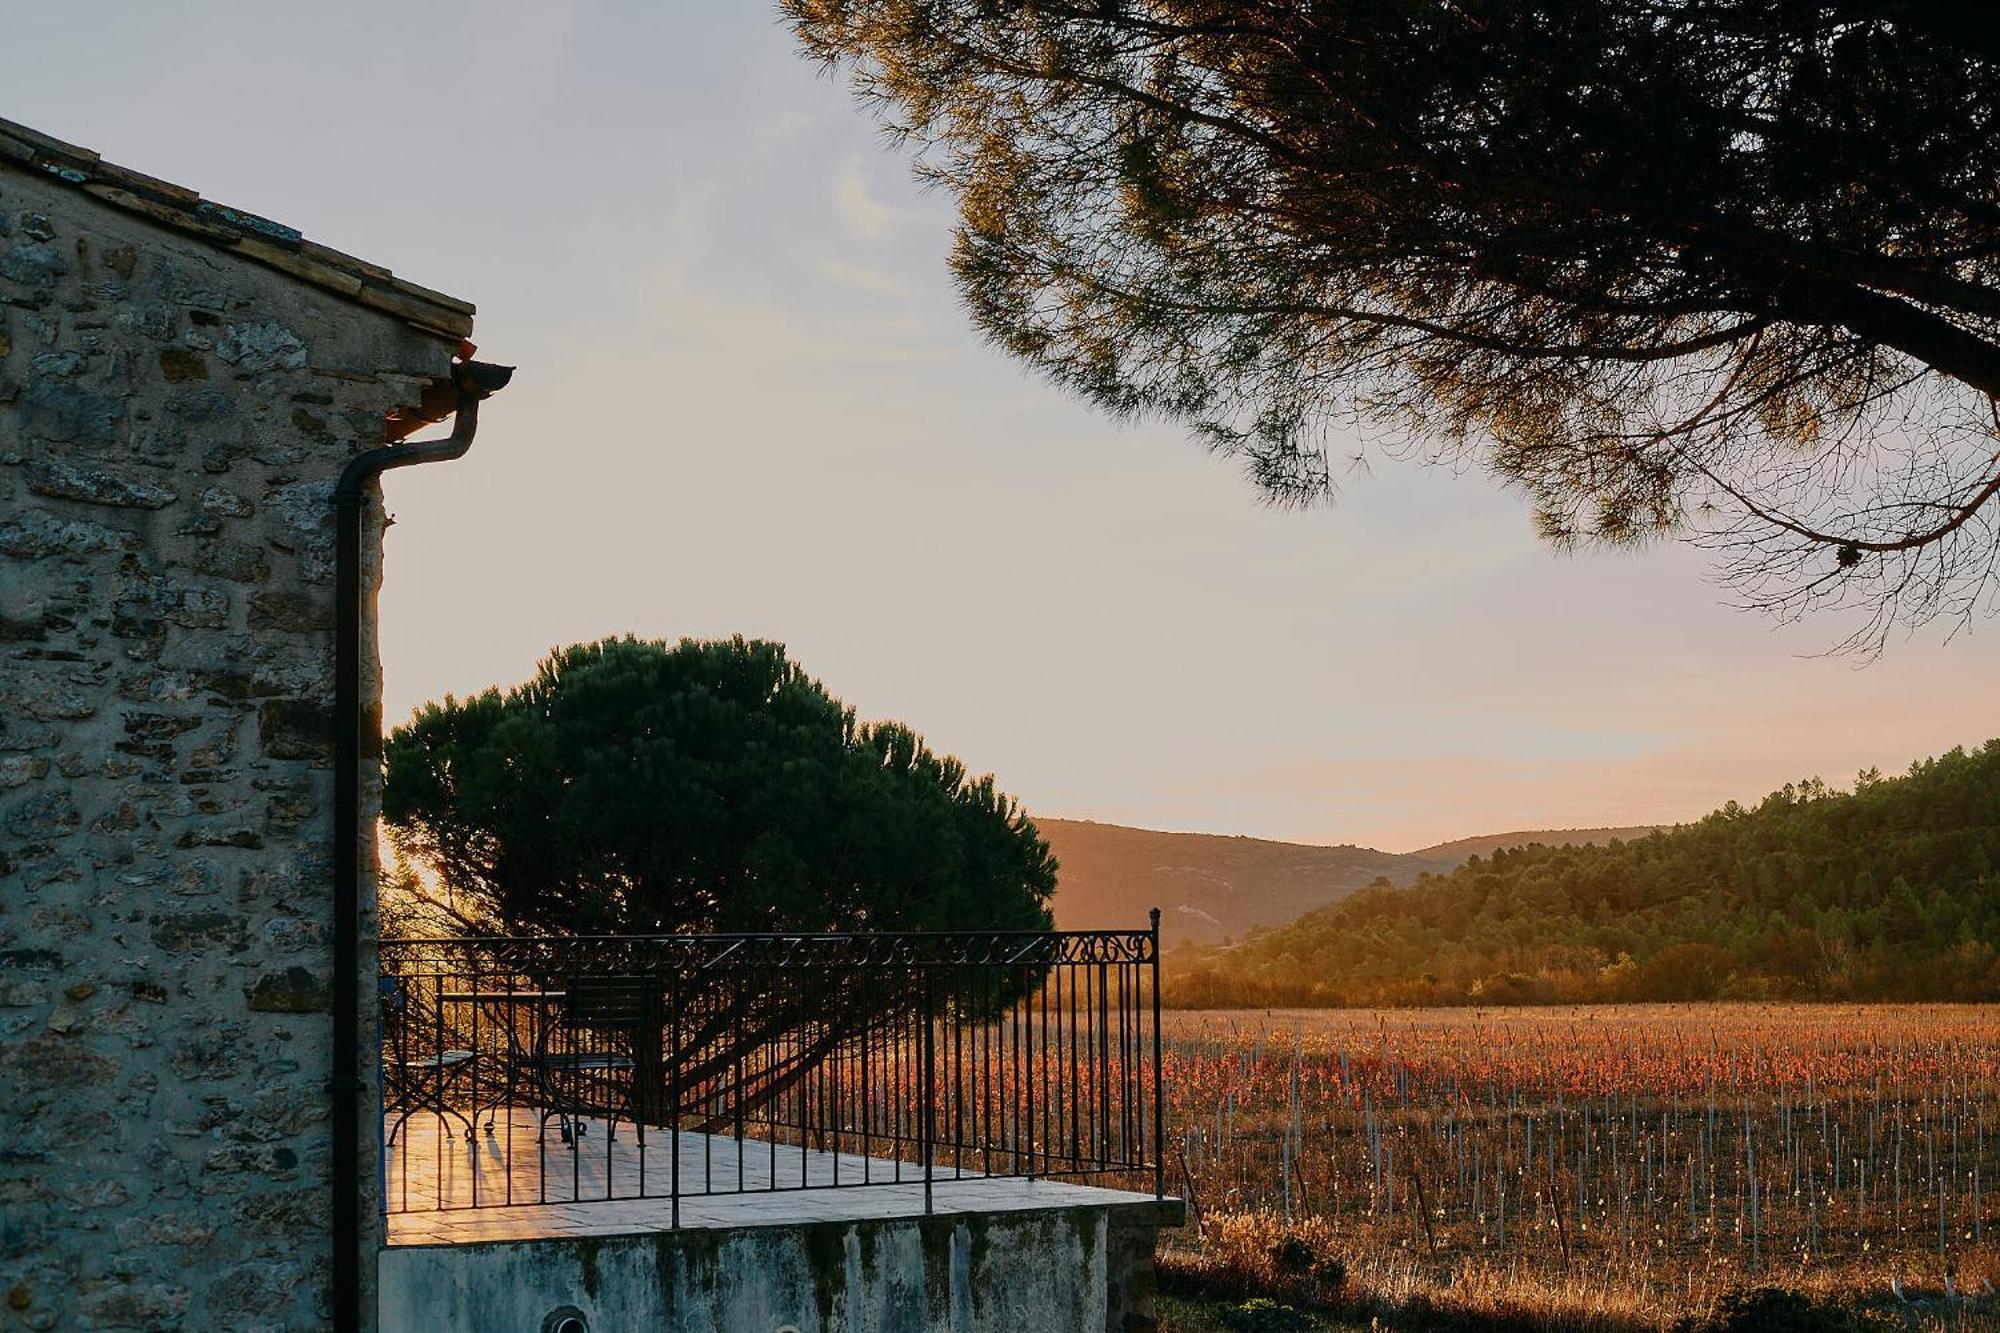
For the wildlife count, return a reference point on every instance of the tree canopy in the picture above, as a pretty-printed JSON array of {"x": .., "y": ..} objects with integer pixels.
[
  {"x": 700, "y": 787},
  {"x": 1888, "y": 892},
  {"x": 1721, "y": 270}
]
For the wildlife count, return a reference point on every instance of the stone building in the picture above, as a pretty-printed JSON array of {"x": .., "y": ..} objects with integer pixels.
[
  {"x": 181, "y": 387},
  {"x": 194, "y": 405}
]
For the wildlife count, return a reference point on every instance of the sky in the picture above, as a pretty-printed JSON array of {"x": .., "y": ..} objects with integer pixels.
[{"x": 748, "y": 402}]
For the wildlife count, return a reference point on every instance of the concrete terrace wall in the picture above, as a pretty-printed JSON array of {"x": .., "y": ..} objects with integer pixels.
[
  {"x": 1065, "y": 1270},
  {"x": 172, "y": 418}
]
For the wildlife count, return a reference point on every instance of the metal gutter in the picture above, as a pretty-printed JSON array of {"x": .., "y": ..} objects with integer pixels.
[{"x": 473, "y": 381}]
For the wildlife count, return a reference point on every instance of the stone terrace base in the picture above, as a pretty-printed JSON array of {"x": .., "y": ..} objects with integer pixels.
[
  {"x": 1082, "y": 1266},
  {"x": 997, "y": 1253}
]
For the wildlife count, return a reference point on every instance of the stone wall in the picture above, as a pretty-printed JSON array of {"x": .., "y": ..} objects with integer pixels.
[
  {"x": 172, "y": 418},
  {"x": 1084, "y": 1269}
]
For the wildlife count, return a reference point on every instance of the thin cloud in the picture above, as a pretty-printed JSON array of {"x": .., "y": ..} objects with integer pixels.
[
  {"x": 859, "y": 211},
  {"x": 862, "y": 279}
]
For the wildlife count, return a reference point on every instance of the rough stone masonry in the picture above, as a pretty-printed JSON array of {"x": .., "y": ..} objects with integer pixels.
[{"x": 180, "y": 384}]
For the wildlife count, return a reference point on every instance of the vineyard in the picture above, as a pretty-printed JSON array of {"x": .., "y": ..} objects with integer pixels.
[{"x": 1637, "y": 1157}]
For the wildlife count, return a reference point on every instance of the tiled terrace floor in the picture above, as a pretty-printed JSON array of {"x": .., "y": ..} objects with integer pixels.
[{"x": 508, "y": 1186}]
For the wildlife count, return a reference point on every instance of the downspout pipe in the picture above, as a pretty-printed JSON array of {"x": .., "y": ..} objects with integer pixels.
[{"x": 474, "y": 381}]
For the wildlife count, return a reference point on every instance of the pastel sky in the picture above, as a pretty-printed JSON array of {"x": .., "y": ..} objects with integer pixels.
[{"x": 748, "y": 402}]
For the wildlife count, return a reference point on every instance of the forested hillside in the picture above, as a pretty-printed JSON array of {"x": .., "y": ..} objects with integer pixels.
[
  {"x": 1889, "y": 891},
  {"x": 1460, "y": 850}
]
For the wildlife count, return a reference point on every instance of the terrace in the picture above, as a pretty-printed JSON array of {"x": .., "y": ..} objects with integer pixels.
[{"x": 778, "y": 1094}]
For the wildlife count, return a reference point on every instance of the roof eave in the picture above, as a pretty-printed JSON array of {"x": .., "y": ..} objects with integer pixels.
[{"x": 255, "y": 238}]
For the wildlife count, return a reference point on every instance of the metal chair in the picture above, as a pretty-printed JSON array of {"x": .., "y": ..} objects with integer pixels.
[
  {"x": 598, "y": 1041},
  {"x": 418, "y": 1068}
]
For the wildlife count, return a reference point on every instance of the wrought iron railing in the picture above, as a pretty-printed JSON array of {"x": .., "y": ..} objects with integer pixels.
[{"x": 582, "y": 1069}]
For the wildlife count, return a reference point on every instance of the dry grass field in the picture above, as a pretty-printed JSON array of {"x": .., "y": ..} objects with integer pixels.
[{"x": 1616, "y": 1167}]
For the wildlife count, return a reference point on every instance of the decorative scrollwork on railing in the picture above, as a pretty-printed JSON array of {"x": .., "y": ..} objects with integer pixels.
[{"x": 694, "y": 954}]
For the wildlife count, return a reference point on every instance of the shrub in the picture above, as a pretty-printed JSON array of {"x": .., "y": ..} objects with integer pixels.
[
  {"x": 1258, "y": 1254},
  {"x": 1292, "y": 1256},
  {"x": 1263, "y": 1315},
  {"x": 1771, "y": 1310}
]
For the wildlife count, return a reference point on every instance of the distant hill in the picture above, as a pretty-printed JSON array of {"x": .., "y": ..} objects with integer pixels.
[
  {"x": 1207, "y": 887},
  {"x": 1461, "y": 850},
  {"x": 1889, "y": 892}
]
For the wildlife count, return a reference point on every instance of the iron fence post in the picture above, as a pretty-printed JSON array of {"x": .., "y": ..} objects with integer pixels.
[
  {"x": 1159, "y": 1076},
  {"x": 674, "y": 1093},
  {"x": 927, "y": 1107}
]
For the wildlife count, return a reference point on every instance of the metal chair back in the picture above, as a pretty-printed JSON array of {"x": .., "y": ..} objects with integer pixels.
[{"x": 622, "y": 1004}]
